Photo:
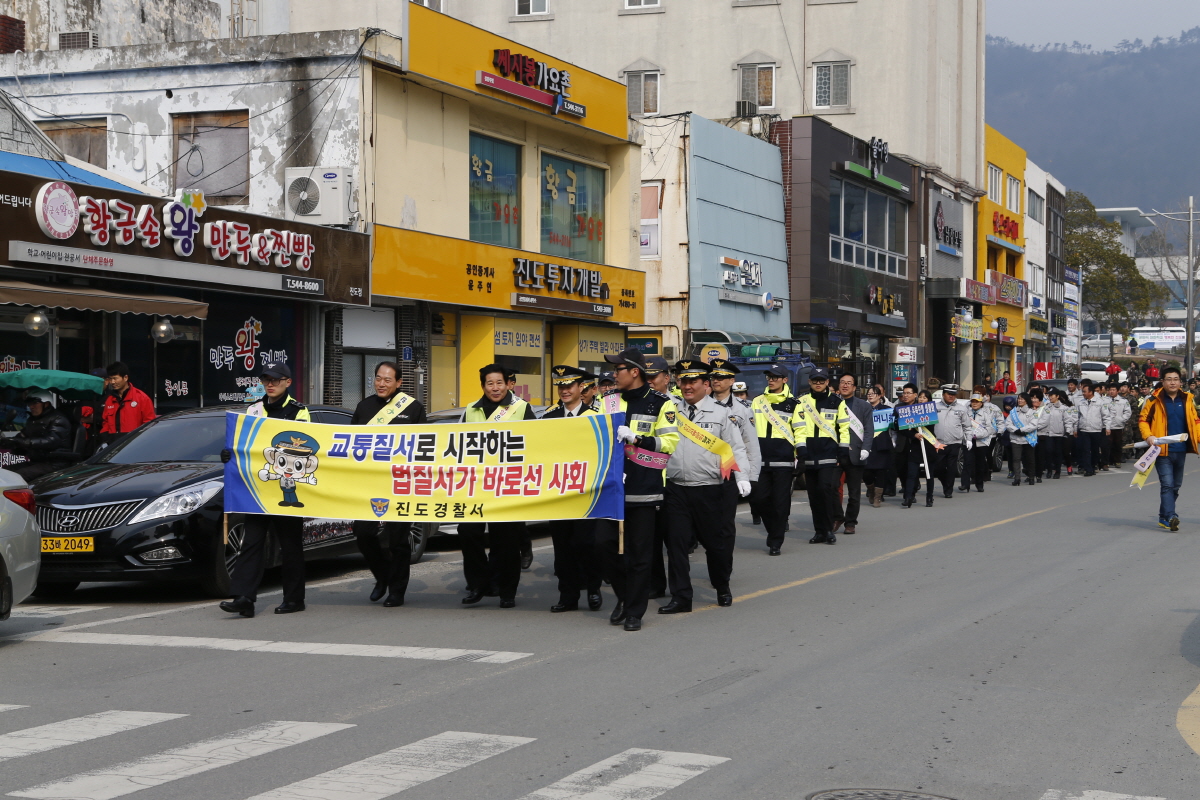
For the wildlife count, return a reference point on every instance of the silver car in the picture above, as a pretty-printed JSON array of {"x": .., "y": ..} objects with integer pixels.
[{"x": 20, "y": 542}]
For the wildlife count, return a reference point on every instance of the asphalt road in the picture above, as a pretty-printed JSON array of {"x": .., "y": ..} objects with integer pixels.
[{"x": 1040, "y": 642}]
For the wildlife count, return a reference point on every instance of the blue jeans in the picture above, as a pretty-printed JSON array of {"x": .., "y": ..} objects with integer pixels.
[{"x": 1170, "y": 478}]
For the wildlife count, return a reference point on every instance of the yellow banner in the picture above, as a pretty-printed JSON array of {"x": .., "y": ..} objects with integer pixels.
[
  {"x": 712, "y": 444},
  {"x": 489, "y": 472}
]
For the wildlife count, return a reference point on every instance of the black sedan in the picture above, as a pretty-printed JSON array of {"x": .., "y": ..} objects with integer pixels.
[{"x": 151, "y": 508}]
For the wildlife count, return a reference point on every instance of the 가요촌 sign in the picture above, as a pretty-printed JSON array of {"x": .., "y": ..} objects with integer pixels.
[{"x": 488, "y": 472}]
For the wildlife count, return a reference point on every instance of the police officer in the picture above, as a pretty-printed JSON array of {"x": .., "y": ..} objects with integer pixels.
[
  {"x": 954, "y": 429},
  {"x": 627, "y": 548},
  {"x": 658, "y": 378},
  {"x": 575, "y": 560},
  {"x": 701, "y": 502},
  {"x": 387, "y": 406},
  {"x": 498, "y": 404},
  {"x": 289, "y": 531},
  {"x": 589, "y": 391},
  {"x": 822, "y": 428},
  {"x": 722, "y": 374},
  {"x": 774, "y": 419}
]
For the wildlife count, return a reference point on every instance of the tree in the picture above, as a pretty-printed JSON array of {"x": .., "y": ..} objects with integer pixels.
[{"x": 1115, "y": 293}]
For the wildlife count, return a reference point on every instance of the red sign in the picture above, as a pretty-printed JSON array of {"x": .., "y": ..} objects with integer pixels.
[
  {"x": 980, "y": 292},
  {"x": 1043, "y": 371},
  {"x": 1005, "y": 226}
]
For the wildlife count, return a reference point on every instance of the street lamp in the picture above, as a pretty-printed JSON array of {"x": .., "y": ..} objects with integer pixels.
[{"x": 1178, "y": 216}]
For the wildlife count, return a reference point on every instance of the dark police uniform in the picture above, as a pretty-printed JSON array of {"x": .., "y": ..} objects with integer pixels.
[
  {"x": 394, "y": 575},
  {"x": 576, "y": 561},
  {"x": 651, "y": 416},
  {"x": 822, "y": 426},
  {"x": 289, "y": 531},
  {"x": 772, "y": 496},
  {"x": 504, "y": 538},
  {"x": 658, "y": 564}
]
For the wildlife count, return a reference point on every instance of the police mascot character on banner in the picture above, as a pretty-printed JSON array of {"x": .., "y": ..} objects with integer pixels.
[{"x": 291, "y": 459}]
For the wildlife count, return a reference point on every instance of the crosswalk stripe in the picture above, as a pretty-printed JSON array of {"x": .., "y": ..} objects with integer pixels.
[
  {"x": 182, "y": 762},
  {"x": 262, "y": 646},
  {"x": 1092, "y": 794},
  {"x": 392, "y": 772},
  {"x": 47, "y": 612},
  {"x": 636, "y": 773},
  {"x": 4, "y": 707},
  {"x": 73, "y": 731}
]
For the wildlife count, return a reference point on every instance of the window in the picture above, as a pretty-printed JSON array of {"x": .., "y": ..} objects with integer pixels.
[
  {"x": 641, "y": 3},
  {"x": 1036, "y": 207},
  {"x": 867, "y": 229},
  {"x": 495, "y": 191},
  {"x": 832, "y": 85},
  {"x": 85, "y": 139},
  {"x": 1014, "y": 194},
  {"x": 995, "y": 185},
  {"x": 757, "y": 84},
  {"x": 651, "y": 217},
  {"x": 436, "y": 5},
  {"x": 527, "y": 7},
  {"x": 213, "y": 155},
  {"x": 572, "y": 209},
  {"x": 642, "y": 92},
  {"x": 1037, "y": 279}
]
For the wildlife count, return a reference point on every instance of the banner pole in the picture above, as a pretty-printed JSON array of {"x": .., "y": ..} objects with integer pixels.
[{"x": 925, "y": 458}]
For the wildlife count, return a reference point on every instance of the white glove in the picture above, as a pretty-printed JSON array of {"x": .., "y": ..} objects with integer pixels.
[
  {"x": 970, "y": 444},
  {"x": 744, "y": 488},
  {"x": 863, "y": 455},
  {"x": 625, "y": 435}
]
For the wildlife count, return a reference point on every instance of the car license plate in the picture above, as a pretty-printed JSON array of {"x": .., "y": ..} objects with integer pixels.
[{"x": 68, "y": 544}]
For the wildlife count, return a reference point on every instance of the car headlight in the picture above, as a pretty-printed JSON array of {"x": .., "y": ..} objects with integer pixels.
[{"x": 179, "y": 502}]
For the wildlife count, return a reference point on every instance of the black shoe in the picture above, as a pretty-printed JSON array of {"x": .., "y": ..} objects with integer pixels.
[
  {"x": 526, "y": 560},
  {"x": 774, "y": 551},
  {"x": 1017, "y": 482},
  {"x": 239, "y": 605},
  {"x": 948, "y": 494},
  {"x": 724, "y": 599},
  {"x": 929, "y": 502},
  {"x": 979, "y": 488},
  {"x": 633, "y": 624},
  {"x": 755, "y": 519},
  {"x": 472, "y": 598},
  {"x": 561, "y": 607},
  {"x": 289, "y": 608},
  {"x": 907, "y": 503},
  {"x": 508, "y": 602},
  {"x": 1089, "y": 474},
  {"x": 831, "y": 540},
  {"x": 964, "y": 489},
  {"x": 820, "y": 538},
  {"x": 379, "y": 591},
  {"x": 618, "y": 614},
  {"x": 657, "y": 593},
  {"x": 676, "y": 607},
  {"x": 1029, "y": 481},
  {"x": 393, "y": 601},
  {"x": 1056, "y": 476},
  {"x": 595, "y": 601},
  {"x": 1039, "y": 478}
]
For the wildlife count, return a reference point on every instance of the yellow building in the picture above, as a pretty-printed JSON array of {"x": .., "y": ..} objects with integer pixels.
[
  {"x": 1001, "y": 262},
  {"x": 502, "y": 186}
]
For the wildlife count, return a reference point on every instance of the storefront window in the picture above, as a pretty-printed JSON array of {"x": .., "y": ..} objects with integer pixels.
[
  {"x": 572, "y": 209},
  {"x": 838, "y": 348},
  {"x": 495, "y": 191}
]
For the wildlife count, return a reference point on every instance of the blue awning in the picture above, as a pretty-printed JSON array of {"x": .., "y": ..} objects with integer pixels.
[{"x": 58, "y": 170}]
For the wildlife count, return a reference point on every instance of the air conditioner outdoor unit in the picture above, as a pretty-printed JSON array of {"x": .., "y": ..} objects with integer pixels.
[
  {"x": 78, "y": 40},
  {"x": 321, "y": 195},
  {"x": 746, "y": 109}
]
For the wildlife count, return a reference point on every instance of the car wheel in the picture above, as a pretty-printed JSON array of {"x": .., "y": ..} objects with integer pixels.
[
  {"x": 218, "y": 582},
  {"x": 55, "y": 589},
  {"x": 418, "y": 537},
  {"x": 6, "y": 597}
]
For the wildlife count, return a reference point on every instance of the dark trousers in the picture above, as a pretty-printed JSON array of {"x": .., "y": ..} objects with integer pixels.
[
  {"x": 392, "y": 568},
  {"x": 576, "y": 560},
  {"x": 704, "y": 514},
  {"x": 899, "y": 471},
  {"x": 822, "y": 484},
  {"x": 1022, "y": 457},
  {"x": 251, "y": 560},
  {"x": 773, "y": 495},
  {"x": 915, "y": 470},
  {"x": 504, "y": 539},
  {"x": 1051, "y": 457},
  {"x": 658, "y": 562},
  {"x": 947, "y": 467},
  {"x": 854, "y": 479},
  {"x": 1087, "y": 449},
  {"x": 1116, "y": 443},
  {"x": 977, "y": 466},
  {"x": 629, "y": 573},
  {"x": 1068, "y": 451}
]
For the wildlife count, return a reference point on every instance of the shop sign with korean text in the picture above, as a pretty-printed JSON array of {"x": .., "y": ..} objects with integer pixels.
[
  {"x": 92, "y": 230},
  {"x": 979, "y": 292},
  {"x": 460, "y": 272},
  {"x": 1009, "y": 290},
  {"x": 490, "y": 472}
]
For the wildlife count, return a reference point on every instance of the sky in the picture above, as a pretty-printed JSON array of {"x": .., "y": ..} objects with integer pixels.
[{"x": 1100, "y": 23}]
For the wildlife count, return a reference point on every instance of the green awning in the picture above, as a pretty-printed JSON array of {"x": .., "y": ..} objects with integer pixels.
[{"x": 71, "y": 385}]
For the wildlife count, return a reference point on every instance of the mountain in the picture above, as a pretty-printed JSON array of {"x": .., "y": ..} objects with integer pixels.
[{"x": 1122, "y": 126}]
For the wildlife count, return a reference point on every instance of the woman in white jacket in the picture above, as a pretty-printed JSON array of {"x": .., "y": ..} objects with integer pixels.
[
  {"x": 1022, "y": 426},
  {"x": 1060, "y": 426},
  {"x": 984, "y": 428}
]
